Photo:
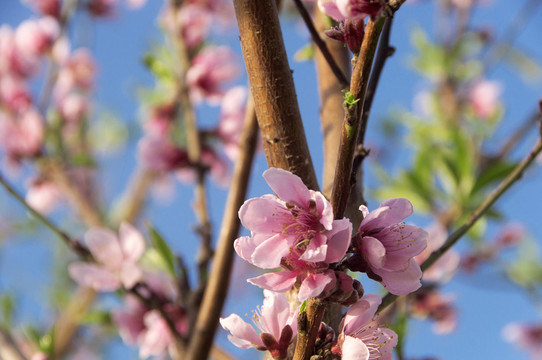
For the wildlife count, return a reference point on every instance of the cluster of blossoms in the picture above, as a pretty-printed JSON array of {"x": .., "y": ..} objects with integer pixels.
[
  {"x": 160, "y": 149},
  {"x": 117, "y": 266},
  {"x": 294, "y": 231}
]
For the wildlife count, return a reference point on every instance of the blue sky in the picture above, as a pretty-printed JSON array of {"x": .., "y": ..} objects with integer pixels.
[{"x": 486, "y": 303}]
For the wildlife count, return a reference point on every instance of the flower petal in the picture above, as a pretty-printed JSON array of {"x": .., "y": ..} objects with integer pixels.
[
  {"x": 275, "y": 313},
  {"x": 280, "y": 281},
  {"x": 263, "y": 215},
  {"x": 287, "y": 186},
  {"x": 402, "y": 282},
  {"x": 242, "y": 334},
  {"x": 338, "y": 240},
  {"x": 269, "y": 253},
  {"x": 316, "y": 251},
  {"x": 131, "y": 242},
  {"x": 354, "y": 349},
  {"x": 361, "y": 313},
  {"x": 374, "y": 251},
  {"x": 130, "y": 275},
  {"x": 93, "y": 276},
  {"x": 314, "y": 284},
  {"x": 104, "y": 246}
]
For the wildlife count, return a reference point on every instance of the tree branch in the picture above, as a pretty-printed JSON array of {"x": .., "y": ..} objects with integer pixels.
[
  {"x": 272, "y": 87},
  {"x": 8, "y": 347},
  {"x": 217, "y": 288}
]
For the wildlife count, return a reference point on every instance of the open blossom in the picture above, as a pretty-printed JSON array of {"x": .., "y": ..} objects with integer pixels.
[
  {"x": 276, "y": 323},
  {"x": 159, "y": 154},
  {"x": 210, "y": 69},
  {"x": 385, "y": 247},
  {"x": 116, "y": 258},
  {"x": 36, "y": 37},
  {"x": 43, "y": 195},
  {"x": 351, "y": 9},
  {"x": 361, "y": 336},
  {"x": 295, "y": 230},
  {"x": 21, "y": 136},
  {"x": 527, "y": 336}
]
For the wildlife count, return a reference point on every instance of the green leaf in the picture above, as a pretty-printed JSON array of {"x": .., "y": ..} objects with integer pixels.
[
  {"x": 493, "y": 173},
  {"x": 7, "y": 306},
  {"x": 349, "y": 99},
  {"x": 306, "y": 53},
  {"x": 97, "y": 318},
  {"x": 303, "y": 307},
  {"x": 163, "y": 249},
  {"x": 157, "y": 67}
]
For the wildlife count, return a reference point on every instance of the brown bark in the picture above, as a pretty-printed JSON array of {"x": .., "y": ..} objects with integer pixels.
[{"x": 273, "y": 89}]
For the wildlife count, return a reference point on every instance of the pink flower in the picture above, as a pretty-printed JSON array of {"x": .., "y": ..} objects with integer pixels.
[
  {"x": 74, "y": 107},
  {"x": 161, "y": 119},
  {"x": 36, "y": 37},
  {"x": 217, "y": 166},
  {"x": 295, "y": 230},
  {"x": 116, "y": 259},
  {"x": 276, "y": 323},
  {"x": 12, "y": 60},
  {"x": 76, "y": 73},
  {"x": 101, "y": 8},
  {"x": 445, "y": 267},
  {"x": 22, "y": 136},
  {"x": 232, "y": 115},
  {"x": 431, "y": 304},
  {"x": 129, "y": 320},
  {"x": 14, "y": 93},
  {"x": 351, "y": 9},
  {"x": 484, "y": 98},
  {"x": 361, "y": 336},
  {"x": 527, "y": 336},
  {"x": 43, "y": 196},
  {"x": 158, "y": 154},
  {"x": 210, "y": 69},
  {"x": 385, "y": 247}
]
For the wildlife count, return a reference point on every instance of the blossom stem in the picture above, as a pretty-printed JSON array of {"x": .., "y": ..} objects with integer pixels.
[
  {"x": 339, "y": 74},
  {"x": 215, "y": 293},
  {"x": 514, "y": 176}
]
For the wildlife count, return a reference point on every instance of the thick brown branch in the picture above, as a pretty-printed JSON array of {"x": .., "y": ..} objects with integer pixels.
[
  {"x": 272, "y": 87},
  {"x": 216, "y": 291}
]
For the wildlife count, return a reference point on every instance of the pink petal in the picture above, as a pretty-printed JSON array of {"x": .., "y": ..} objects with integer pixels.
[
  {"x": 243, "y": 333},
  {"x": 244, "y": 247},
  {"x": 131, "y": 242},
  {"x": 404, "y": 240},
  {"x": 338, "y": 240},
  {"x": 264, "y": 214},
  {"x": 402, "y": 282},
  {"x": 93, "y": 276},
  {"x": 130, "y": 275},
  {"x": 280, "y": 281},
  {"x": 391, "y": 211},
  {"x": 105, "y": 247},
  {"x": 269, "y": 253},
  {"x": 361, "y": 313},
  {"x": 316, "y": 250},
  {"x": 329, "y": 8},
  {"x": 287, "y": 186},
  {"x": 323, "y": 207},
  {"x": 354, "y": 349},
  {"x": 314, "y": 284},
  {"x": 374, "y": 251},
  {"x": 275, "y": 313}
]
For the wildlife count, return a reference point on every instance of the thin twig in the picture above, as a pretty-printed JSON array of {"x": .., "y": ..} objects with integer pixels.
[
  {"x": 70, "y": 242},
  {"x": 511, "y": 33},
  {"x": 133, "y": 200},
  {"x": 475, "y": 216},
  {"x": 219, "y": 278},
  {"x": 321, "y": 44}
]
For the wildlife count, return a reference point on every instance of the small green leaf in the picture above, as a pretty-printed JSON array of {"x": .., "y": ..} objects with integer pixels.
[
  {"x": 493, "y": 173},
  {"x": 157, "y": 67},
  {"x": 349, "y": 99},
  {"x": 163, "y": 249},
  {"x": 303, "y": 307},
  {"x": 306, "y": 53}
]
